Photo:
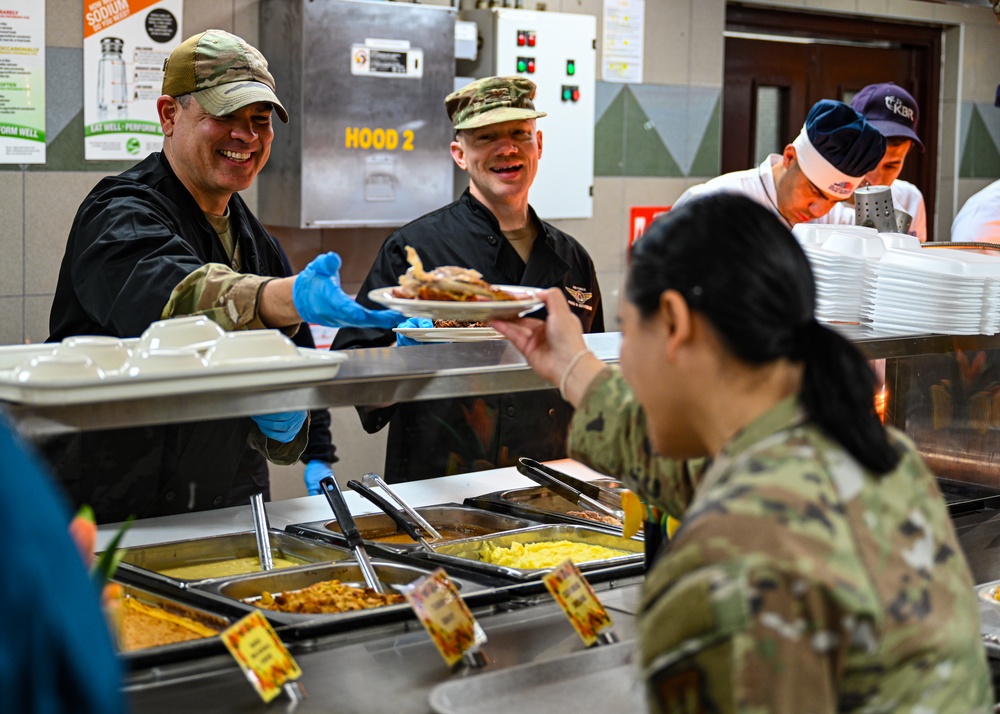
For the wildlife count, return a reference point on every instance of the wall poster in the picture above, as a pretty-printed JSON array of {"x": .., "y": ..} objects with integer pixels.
[
  {"x": 622, "y": 43},
  {"x": 124, "y": 45},
  {"x": 22, "y": 82}
]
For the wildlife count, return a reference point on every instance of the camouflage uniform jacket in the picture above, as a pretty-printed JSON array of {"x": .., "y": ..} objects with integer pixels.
[
  {"x": 798, "y": 582},
  {"x": 141, "y": 249}
]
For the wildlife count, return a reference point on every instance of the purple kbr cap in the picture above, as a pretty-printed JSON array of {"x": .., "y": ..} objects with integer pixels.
[{"x": 890, "y": 109}]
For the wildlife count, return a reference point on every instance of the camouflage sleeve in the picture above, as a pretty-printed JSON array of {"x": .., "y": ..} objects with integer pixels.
[
  {"x": 608, "y": 433},
  {"x": 218, "y": 292},
  {"x": 739, "y": 636},
  {"x": 275, "y": 451}
]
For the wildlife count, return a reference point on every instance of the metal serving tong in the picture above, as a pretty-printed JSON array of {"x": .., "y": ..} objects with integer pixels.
[
  {"x": 261, "y": 528},
  {"x": 371, "y": 480},
  {"x": 574, "y": 490},
  {"x": 382, "y": 504},
  {"x": 347, "y": 526}
]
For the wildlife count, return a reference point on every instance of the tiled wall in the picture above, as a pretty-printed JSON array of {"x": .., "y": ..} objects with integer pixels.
[{"x": 652, "y": 140}]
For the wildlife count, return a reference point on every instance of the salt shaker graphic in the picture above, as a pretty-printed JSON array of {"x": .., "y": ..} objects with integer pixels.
[{"x": 112, "y": 92}]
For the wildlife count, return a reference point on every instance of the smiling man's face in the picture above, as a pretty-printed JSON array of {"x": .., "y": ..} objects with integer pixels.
[
  {"x": 215, "y": 156},
  {"x": 502, "y": 160}
]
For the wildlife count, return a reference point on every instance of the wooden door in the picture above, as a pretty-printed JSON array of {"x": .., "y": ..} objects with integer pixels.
[{"x": 778, "y": 64}]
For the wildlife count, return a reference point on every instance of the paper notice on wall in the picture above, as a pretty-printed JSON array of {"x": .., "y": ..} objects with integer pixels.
[
  {"x": 622, "y": 43},
  {"x": 124, "y": 45},
  {"x": 22, "y": 82}
]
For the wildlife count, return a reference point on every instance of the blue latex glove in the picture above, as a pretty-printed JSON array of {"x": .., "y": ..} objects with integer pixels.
[
  {"x": 282, "y": 426},
  {"x": 421, "y": 322},
  {"x": 320, "y": 300},
  {"x": 316, "y": 471}
]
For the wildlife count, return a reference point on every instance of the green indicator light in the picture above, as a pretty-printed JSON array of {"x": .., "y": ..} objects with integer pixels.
[
  {"x": 521, "y": 65},
  {"x": 570, "y": 67},
  {"x": 566, "y": 94}
]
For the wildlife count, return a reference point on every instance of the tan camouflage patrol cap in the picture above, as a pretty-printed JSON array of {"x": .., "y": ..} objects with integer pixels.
[
  {"x": 223, "y": 73},
  {"x": 491, "y": 101}
]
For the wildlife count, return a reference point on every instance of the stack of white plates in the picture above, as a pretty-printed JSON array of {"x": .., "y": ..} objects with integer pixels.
[
  {"x": 843, "y": 265},
  {"x": 935, "y": 291}
]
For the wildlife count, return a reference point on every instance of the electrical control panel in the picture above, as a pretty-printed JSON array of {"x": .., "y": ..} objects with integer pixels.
[{"x": 557, "y": 51}]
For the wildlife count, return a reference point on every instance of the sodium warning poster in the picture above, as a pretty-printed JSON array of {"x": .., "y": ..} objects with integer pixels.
[
  {"x": 124, "y": 45},
  {"x": 22, "y": 82}
]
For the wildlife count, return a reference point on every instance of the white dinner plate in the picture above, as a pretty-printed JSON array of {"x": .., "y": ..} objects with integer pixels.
[
  {"x": 449, "y": 334},
  {"x": 478, "y": 311}
]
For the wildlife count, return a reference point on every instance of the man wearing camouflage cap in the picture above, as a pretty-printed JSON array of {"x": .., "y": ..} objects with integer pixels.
[
  {"x": 493, "y": 229},
  {"x": 170, "y": 237},
  {"x": 821, "y": 167}
]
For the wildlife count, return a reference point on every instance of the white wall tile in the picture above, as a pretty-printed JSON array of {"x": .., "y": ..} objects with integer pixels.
[
  {"x": 49, "y": 222},
  {"x": 12, "y": 234},
  {"x": 11, "y": 320},
  {"x": 64, "y": 23},
  {"x": 36, "y": 317}
]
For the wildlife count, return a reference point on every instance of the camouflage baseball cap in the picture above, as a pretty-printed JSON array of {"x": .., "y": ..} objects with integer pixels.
[
  {"x": 491, "y": 101},
  {"x": 223, "y": 73}
]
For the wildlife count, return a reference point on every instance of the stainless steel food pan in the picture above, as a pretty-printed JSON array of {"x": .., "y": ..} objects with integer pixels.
[
  {"x": 216, "y": 619},
  {"x": 466, "y": 553},
  {"x": 455, "y": 522},
  {"x": 246, "y": 590},
  {"x": 540, "y": 504},
  {"x": 147, "y": 562}
]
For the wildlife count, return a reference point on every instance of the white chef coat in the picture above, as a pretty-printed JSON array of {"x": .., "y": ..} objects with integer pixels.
[
  {"x": 905, "y": 197},
  {"x": 979, "y": 219},
  {"x": 757, "y": 184}
]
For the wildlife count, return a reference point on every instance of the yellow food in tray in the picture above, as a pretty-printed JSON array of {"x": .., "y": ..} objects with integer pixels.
[
  {"x": 143, "y": 626},
  {"x": 545, "y": 554},
  {"x": 226, "y": 568},
  {"x": 328, "y": 596}
]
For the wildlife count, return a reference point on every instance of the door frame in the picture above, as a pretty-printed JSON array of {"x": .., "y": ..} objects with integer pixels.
[{"x": 925, "y": 37}]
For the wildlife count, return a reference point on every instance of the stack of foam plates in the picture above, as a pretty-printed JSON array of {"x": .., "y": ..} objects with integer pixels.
[
  {"x": 935, "y": 291},
  {"x": 843, "y": 265}
]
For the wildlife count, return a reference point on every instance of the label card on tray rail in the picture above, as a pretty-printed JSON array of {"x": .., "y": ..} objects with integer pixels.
[
  {"x": 446, "y": 617},
  {"x": 261, "y": 655},
  {"x": 578, "y": 601}
]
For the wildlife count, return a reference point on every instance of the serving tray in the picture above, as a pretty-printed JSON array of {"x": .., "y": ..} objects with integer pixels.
[{"x": 310, "y": 366}]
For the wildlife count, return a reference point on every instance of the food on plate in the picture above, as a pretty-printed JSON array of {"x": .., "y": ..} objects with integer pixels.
[
  {"x": 143, "y": 626},
  {"x": 545, "y": 554},
  {"x": 447, "y": 282},
  {"x": 595, "y": 516},
  {"x": 459, "y": 323},
  {"x": 328, "y": 596},
  {"x": 227, "y": 567}
]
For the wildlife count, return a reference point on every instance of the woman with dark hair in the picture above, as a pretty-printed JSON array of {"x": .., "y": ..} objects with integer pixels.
[{"x": 816, "y": 568}]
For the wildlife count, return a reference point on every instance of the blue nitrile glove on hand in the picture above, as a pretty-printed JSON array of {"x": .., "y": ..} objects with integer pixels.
[
  {"x": 316, "y": 471},
  {"x": 282, "y": 426},
  {"x": 320, "y": 300},
  {"x": 423, "y": 323}
]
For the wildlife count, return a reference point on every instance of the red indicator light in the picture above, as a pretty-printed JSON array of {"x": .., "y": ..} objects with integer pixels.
[
  {"x": 576, "y": 95},
  {"x": 521, "y": 39},
  {"x": 531, "y": 66},
  {"x": 531, "y": 39}
]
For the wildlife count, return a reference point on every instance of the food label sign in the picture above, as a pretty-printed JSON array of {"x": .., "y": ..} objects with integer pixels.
[
  {"x": 261, "y": 655},
  {"x": 445, "y": 616},
  {"x": 577, "y": 599}
]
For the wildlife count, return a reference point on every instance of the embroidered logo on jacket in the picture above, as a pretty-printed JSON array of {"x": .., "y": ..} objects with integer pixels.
[{"x": 579, "y": 297}]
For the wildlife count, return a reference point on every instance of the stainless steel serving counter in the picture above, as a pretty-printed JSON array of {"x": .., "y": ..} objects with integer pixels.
[
  {"x": 386, "y": 668},
  {"x": 388, "y": 375},
  {"x": 446, "y": 489}
]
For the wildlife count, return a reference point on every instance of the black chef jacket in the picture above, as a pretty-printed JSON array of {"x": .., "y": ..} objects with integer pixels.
[
  {"x": 134, "y": 238},
  {"x": 448, "y": 436}
]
